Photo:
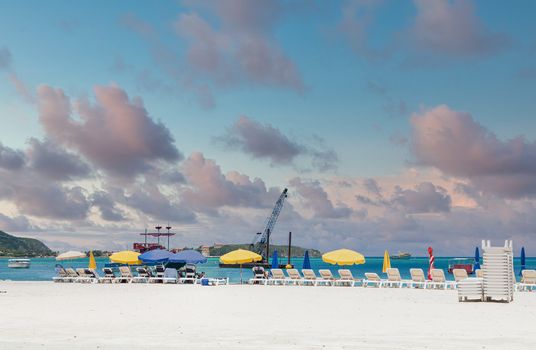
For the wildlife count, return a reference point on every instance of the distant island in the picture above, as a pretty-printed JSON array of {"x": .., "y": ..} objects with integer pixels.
[
  {"x": 19, "y": 246},
  {"x": 282, "y": 250}
]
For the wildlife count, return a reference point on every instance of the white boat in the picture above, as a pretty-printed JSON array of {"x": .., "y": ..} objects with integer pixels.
[{"x": 18, "y": 263}]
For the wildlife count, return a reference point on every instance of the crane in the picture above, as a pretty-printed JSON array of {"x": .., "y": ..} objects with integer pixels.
[{"x": 261, "y": 242}]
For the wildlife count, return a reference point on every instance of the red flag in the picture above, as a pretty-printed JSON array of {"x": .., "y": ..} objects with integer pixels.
[{"x": 432, "y": 259}]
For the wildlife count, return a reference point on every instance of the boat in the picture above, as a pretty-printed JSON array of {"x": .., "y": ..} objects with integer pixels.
[
  {"x": 468, "y": 264},
  {"x": 401, "y": 255},
  {"x": 18, "y": 263}
]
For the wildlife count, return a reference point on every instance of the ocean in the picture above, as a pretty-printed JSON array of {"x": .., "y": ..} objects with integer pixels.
[{"x": 42, "y": 269}]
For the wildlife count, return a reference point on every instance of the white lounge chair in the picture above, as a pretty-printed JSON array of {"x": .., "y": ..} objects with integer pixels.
[
  {"x": 125, "y": 275},
  {"x": 294, "y": 277},
  {"x": 72, "y": 276},
  {"x": 277, "y": 277},
  {"x": 394, "y": 279},
  {"x": 346, "y": 278},
  {"x": 439, "y": 280},
  {"x": 83, "y": 276},
  {"x": 309, "y": 277},
  {"x": 459, "y": 275},
  {"x": 61, "y": 275},
  {"x": 418, "y": 279},
  {"x": 326, "y": 277},
  {"x": 528, "y": 281},
  {"x": 372, "y": 278},
  {"x": 190, "y": 275},
  {"x": 109, "y": 275},
  {"x": 479, "y": 273},
  {"x": 143, "y": 275},
  {"x": 170, "y": 276},
  {"x": 259, "y": 276}
]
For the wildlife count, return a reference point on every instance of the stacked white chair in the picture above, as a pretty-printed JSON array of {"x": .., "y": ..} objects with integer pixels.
[
  {"x": 498, "y": 269},
  {"x": 471, "y": 289}
]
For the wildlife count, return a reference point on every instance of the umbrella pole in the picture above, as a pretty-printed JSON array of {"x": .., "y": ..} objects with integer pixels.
[{"x": 240, "y": 273}]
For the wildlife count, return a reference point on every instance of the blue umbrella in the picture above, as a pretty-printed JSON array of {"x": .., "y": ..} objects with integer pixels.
[
  {"x": 275, "y": 261},
  {"x": 523, "y": 262},
  {"x": 155, "y": 256},
  {"x": 306, "y": 261},
  {"x": 188, "y": 257},
  {"x": 477, "y": 259}
]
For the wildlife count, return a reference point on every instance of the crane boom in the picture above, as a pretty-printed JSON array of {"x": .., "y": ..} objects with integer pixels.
[{"x": 261, "y": 239}]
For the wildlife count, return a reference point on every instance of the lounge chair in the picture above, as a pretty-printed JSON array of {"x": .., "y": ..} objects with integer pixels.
[
  {"x": 418, "y": 279},
  {"x": 72, "y": 275},
  {"x": 439, "y": 281},
  {"x": 394, "y": 279},
  {"x": 61, "y": 275},
  {"x": 93, "y": 275},
  {"x": 190, "y": 274},
  {"x": 109, "y": 275},
  {"x": 326, "y": 277},
  {"x": 528, "y": 280},
  {"x": 459, "y": 275},
  {"x": 143, "y": 275},
  {"x": 158, "y": 276},
  {"x": 125, "y": 275},
  {"x": 346, "y": 278},
  {"x": 479, "y": 273},
  {"x": 372, "y": 278},
  {"x": 277, "y": 277},
  {"x": 83, "y": 277},
  {"x": 309, "y": 277},
  {"x": 170, "y": 276},
  {"x": 259, "y": 276},
  {"x": 295, "y": 277}
]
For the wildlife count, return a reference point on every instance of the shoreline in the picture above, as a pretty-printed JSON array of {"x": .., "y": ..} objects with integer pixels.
[{"x": 141, "y": 316}]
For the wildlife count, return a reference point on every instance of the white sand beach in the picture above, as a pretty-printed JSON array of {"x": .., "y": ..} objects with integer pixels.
[{"x": 45, "y": 315}]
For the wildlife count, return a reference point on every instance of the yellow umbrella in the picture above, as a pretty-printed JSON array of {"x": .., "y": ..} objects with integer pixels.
[
  {"x": 92, "y": 262},
  {"x": 240, "y": 256},
  {"x": 343, "y": 257},
  {"x": 125, "y": 257},
  {"x": 386, "y": 262}
]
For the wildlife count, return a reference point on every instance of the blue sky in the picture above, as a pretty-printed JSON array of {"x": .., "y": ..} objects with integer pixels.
[{"x": 353, "y": 87}]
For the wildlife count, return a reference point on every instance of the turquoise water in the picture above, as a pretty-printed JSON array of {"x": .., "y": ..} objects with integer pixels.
[{"x": 42, "y": 269}]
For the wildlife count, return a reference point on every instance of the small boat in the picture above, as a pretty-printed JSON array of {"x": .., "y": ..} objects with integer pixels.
[
  {"x": 18, "y": 263},
  {"x": 468, "y": 264},
  {"x": 401, "y": 255}
]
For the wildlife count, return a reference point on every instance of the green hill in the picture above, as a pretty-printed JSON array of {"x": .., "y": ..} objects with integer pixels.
[
  {"x": 282, "y": 250},
  {"x": 18, "y": 246}
]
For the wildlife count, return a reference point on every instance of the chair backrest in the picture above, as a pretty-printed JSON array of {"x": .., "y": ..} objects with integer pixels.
[
  {"x": 125, "y": 271},
  {"x": 308, "y": 274},
  {"x": 160, "y": 268},
  {"x": 81, "y": 272},
  {"x": 258, "y": 271},
  {"x": 71, "y": 272},
  {"x": 393, "y": 274},
  {"x": 479, "y": 273},
  {"x": 171, "y": 273},
  {"x": 293, "y": 274},
  {"x": 91, "y": 273},
  {"x": 438, "y": 276},
  {"x": 277, "y": 273},
  {"x": 417, "y": 275},
  {"x": 528, "y": 276},
  {"x": 326, "y": 274},
  {"x": 459, "y": 274},
  {"x": 142, "y": 271},
  {"x": 60, "y": 272},
  {"x": 346, "y": 274},
  {"x": 108, "y": 272},
  {"x": 372, "y": 276}
]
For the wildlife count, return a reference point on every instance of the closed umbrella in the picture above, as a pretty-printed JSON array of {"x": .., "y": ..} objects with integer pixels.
[
  {"x": 126, "y": 257},
  {"x": 275, "y": 260},
  {"x": 306, "y": 261},
  {"x": 155, "y": 256},
  {"x": 188, "y": 257},
  {"x": 92, "y": 262},
  {"x": 431, "y": 262},
  {"x": 343, "y": 257},
  {"x": 522, "y": 260},
  {"x": 386, "y": 261},
  {"x": 240, "y": 256},
  {"x": 71, "y": 255},
  {"x": 477, "y": 259}
]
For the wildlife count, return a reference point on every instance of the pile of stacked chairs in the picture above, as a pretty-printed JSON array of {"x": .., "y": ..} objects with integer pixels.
[{"x": 124, "y": 274}]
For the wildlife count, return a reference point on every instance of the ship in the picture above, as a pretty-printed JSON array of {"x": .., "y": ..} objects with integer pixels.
[{"x": 401, "y": 255}]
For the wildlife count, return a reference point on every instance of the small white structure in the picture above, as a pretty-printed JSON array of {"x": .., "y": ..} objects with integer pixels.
[
  {"x": 471, "y": 289},
  {"x": 498, "y": 269}
]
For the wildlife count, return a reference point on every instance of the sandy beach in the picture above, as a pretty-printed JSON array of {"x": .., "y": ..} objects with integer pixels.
[{"x": 59, "y": 316}]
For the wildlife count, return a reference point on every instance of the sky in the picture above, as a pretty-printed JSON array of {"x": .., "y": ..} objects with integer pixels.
[{"x": 394, "y": 124}]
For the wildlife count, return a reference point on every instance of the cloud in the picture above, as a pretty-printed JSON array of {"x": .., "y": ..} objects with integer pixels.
[
  {"x": 115, "y": 133},
  {"x": 454, "y": 143},
  {"x": 425, "y": 198},
  {"x": 372, "y": 186},
  {"x": 451, "y": 27},
  {"x": 15, "y": 224},
  {"x": 107, "y": 207},
  {"x": 21, "y": 88},
  {"x": 10, "y": 158},
  {"x": 263, "y": 141},
  {"x": 317, "y": 199},
  {"x": 5, "y": 58},
  {"x": 54, "y": 162},
  {"x": 210, "y": 189}
]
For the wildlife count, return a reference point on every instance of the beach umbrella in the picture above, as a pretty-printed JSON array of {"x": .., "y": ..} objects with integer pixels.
[
  {"x": 188, "y": 257},
  {"x": 92, "y": 262},
  {"x": 155, "y": 256},
  {"x": 431, "y": 262},
  {"x": 477, "y": 259},
  {"x": 306, "y": 261},
  {"x": 386, "y": 261},
  {"x": 71, "y": 255},
  {"x": 126, "y": 257},
  {"x": 522, "y": 260},
  {"x": 343, "y": 257},
  {"x": 275, "y": 260},
  {"x": 240, "y": 256}
]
